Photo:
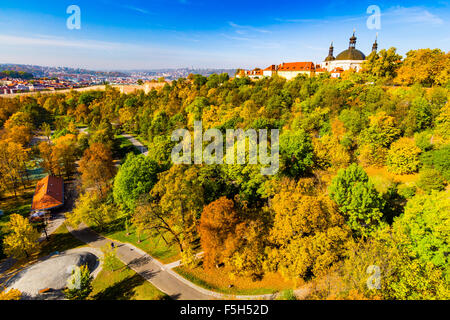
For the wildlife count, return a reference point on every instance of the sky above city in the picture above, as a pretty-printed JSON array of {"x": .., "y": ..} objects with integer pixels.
[{"x": 156, "y": 34}]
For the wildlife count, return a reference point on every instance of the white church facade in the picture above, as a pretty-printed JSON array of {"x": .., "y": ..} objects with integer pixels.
[{"x": 351, "y": 58}]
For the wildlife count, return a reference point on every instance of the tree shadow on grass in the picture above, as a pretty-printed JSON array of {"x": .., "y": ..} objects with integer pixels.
[
  {"x": 60, "y": 242},
  {"x": 123, "y": 290}
]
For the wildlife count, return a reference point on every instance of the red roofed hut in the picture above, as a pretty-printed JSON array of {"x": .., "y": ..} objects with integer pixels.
[{"x": 49, "y": 194}]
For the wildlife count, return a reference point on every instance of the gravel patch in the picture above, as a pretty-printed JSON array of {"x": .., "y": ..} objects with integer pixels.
[{"x": 52, "y": 273}]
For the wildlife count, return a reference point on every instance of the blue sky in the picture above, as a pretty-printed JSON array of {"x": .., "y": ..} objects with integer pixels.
[{"x": 206, "y": 33}]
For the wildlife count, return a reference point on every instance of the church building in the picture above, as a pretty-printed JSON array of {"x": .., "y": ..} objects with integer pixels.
[{"x": 351, "y": 58}]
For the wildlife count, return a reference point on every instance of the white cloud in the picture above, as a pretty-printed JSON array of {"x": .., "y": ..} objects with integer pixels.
[
  {"x": 137, "y": 9},
  {"x": 241, "y": 27},
  {"x": 45, "y": 40},
  {"x": 416, "y": 15}
]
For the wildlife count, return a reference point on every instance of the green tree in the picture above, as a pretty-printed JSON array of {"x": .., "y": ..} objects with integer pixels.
[
  {"x": 358, "y": 199},
  {"x": 296, "y": 153},
  {"x": 137, "y": 176},
  {"x": 426, "y": 227},
  {"x": 79, "y": 285}
]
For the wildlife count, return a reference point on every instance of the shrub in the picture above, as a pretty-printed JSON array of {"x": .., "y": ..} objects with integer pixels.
[
  {"x": 110, "y": 260},
  {"x": 439, "y": 160},
  {"x": 403, "y": 157},
  {"x": 423, "y": 140},
  {"x": 430, "y": 179},
  {"x": 407, "y": 191}
]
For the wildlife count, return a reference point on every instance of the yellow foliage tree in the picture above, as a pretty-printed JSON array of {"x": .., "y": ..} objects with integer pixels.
[
  {"x": 308, "y": 233},
  {"x": 12, "y": 294},
  {"x": 403, "y": 156},
  {"x": 22, "y": 238}
]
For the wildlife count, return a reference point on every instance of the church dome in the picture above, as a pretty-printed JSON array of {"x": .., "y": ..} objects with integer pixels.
[{"x": 351, "y": 54}]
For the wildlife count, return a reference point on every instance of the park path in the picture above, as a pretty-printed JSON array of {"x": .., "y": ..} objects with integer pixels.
[
  {"x": 160, "y": 275},
  {"x": 137, "y": 144},
  {"x": 143, "y": 264}
]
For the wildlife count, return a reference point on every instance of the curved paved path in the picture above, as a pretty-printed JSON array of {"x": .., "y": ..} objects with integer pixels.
[
  {"x": 143, "y": 264},
  {"x": 161, "y": 276}
]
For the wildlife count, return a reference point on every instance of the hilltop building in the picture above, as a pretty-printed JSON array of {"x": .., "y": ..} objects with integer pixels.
[
  {"x": 288, "y": 70},
  {"x": 351, "y": 58}
]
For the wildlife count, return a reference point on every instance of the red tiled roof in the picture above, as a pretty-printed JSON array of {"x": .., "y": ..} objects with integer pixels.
[
  {"x": 296, "y": 66},
  {"x": 255, "y": 72},
  {"x": 49, "y": 194},
  {"x": 337, "y": 70},
  {"x": 271, "y": 68}
]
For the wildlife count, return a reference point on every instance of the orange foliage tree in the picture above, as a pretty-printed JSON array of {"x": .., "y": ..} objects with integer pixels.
[
  {"x": 217, "y": 223},
  {"x": 97, "y": 168}
]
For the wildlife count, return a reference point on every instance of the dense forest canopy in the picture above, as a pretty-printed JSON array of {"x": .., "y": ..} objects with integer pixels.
[
  {"x": 16, "y": 74},
  {"x": 324, "y": 214}
]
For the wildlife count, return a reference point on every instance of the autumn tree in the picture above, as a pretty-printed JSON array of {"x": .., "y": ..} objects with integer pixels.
[
  {"x": 64, "y": 152},
  {"x": 245, "y": 249},
  {"x": 308, "y": 233},
  {"x": 177, "y": 202},
  {"x": 217, "y": 223},
  {"x": 401, "y": 275},
  {"x": 329, "y": 152},
  {"x": 375, "y": 140},
  {"x": 90, "y": 209},
  {"x": 110, "y": 259},
  {"x": 357, "y": 199},
  {"x": 22, "y": 238},
  {"x": 424, "y": 66},
  {"x": 383, "y": 64},
  {"x": 46, "y": 131},
  {"x": 13, "y": 158},
  {"x": 443, "y": 121},
  {"x": 403, "y": 156},
  {"x": 49, "y": 163},
  {"x": 97, "y": 168},
  {"x": 10, "y": 295}
]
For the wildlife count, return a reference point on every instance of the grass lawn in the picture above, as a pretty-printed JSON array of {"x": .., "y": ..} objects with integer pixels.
[
  {"x": 123, "y": 284},
  {"x": 61, "y": 240},
  {"x": 219, "y": 280},
  {"x": 154, "y": 246}
]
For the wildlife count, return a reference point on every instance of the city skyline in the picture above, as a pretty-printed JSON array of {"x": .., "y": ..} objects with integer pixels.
[{"x": 198, "y": 34}]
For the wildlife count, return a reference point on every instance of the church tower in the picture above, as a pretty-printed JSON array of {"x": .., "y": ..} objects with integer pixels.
[
  {"x": 353, "y": 41},
  {"x": 375, "y": 45},
  {"x": 330, "y": 53}
]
